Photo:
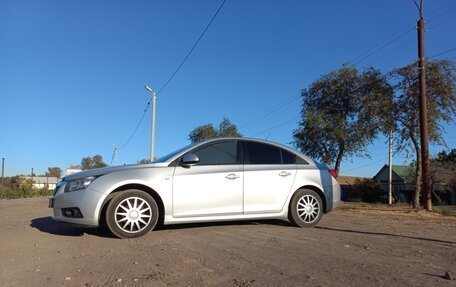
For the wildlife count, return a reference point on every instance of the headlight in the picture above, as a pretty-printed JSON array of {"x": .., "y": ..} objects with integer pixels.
[{"x": 77, "y": 184}]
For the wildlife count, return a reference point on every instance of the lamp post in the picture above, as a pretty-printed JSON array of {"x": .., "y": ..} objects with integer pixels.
[{"x": 152, "y": 132}]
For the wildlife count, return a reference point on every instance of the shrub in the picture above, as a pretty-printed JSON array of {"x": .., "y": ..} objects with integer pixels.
[{"x": 366, "y": 190}]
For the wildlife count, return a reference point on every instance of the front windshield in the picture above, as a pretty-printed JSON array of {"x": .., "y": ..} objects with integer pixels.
[{"x": 172, "y": 154}]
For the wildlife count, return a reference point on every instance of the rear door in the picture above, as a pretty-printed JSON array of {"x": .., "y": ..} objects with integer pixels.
[{"x": 269, "y": 173}]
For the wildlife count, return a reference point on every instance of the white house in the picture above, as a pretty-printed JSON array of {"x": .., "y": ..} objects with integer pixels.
[{"x": 40, "y": 182}]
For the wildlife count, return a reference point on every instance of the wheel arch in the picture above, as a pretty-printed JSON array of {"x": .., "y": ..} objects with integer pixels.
[
  {"x": 146, "y": 189},
  {"x": 318, "y": 191}
]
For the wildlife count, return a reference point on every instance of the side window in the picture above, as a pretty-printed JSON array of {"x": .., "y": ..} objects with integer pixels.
[
  {"x": 288, "y": 157},
  {"x": 218, "y": 153},
  {"x": 259, "y": 153}
]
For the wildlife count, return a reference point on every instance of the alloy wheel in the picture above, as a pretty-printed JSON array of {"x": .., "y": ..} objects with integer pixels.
[
  {"x": 133, "y": 214},
  {"x": 308, "y": 208}
]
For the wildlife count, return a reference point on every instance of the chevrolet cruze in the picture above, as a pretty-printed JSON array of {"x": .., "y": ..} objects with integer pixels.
[{"x": 215, "y": 180}]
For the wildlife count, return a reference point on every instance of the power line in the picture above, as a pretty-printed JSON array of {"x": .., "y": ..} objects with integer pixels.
[
  {"x": 362, "y": 166},
  {"x": 174, "y": 74},
  {"x": 363, "y": 54},
  {"x": 362, "y": 57},
  {"x": 442, "y": 53},
  {"x": 435, "y": 12},
  {"x": 136, "y": 128},
  {"x": 191, "y": 50},
  {"x": 267, "y": 113},
  {"x": 373, "y": 50},
  {"x": 384, "y": 45},
  {"x": 407, "y": 40},
  {"x": 441, "y": 23},
  {"x": 278, "y": 125}
]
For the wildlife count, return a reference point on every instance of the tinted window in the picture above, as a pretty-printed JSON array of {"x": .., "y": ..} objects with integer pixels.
[
  {"x": 218, "y": 153},
  {"x": 258, "y": 153},
  {"x": 288, "y": 157}
]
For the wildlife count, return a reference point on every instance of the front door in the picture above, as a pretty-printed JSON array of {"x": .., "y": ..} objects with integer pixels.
[{"x": 213, "y": 186}]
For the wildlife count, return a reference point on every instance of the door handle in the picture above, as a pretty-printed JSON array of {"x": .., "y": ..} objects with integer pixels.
[
  {"x": 232, "y": 176},
  {"x": 284, "y": 174}
]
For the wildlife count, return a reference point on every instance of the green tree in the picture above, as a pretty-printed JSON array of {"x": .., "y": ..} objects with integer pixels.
[
  {"x": 26, "y": 184},
  {"x": 441, "y": 96},
  {"x": 342, "y": 112},
  {"x": 92, "y": 162},
  {"x": 443, "y": 171},
  {"x": 208, "y": 131},
  {"x": 449, "y": 157},
  {"x": 54, "y": 171}
]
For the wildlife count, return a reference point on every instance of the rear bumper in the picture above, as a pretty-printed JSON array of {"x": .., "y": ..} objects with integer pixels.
[
  {"x": 336, "y": 204},
  {"x": 333, "y": 196}
]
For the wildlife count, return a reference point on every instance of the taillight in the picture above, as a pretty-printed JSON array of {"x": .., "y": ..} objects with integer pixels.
[{"x": 333, "y": 173}]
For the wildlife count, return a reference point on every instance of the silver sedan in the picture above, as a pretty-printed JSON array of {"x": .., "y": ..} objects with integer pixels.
[{"x": 216, "y": 180}]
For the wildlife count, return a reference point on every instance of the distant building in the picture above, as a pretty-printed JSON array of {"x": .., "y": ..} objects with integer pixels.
[
  {"x": 41, "y": 182},
  {"x": 73, "y": 169},
  {"x": 402, "y": 181},
  {"x": 404, "y": 185}
]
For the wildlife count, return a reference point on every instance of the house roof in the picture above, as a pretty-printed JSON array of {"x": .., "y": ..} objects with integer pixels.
[
  {"x": 402, "y": 173},
  {"x": 349, "y": 180}
]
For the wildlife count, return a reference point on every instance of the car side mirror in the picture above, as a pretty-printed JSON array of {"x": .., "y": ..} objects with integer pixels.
[{"x": 190, "y": 159}]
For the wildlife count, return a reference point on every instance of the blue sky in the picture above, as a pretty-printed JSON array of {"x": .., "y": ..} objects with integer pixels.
[{"x": 72, "y": 72}]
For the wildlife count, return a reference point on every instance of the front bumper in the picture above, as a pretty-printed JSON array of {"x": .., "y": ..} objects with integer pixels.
[{"x": 88, "y": 201}]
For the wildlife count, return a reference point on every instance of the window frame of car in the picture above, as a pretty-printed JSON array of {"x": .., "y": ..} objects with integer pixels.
[
  {"x": 239, "y": 153},
  {"x": 246, "y": 156}
]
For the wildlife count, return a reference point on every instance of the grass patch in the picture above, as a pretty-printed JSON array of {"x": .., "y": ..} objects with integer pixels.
[{"x": 446, "y": 210}]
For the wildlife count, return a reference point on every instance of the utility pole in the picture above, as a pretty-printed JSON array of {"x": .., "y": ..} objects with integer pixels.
[
  {"x": 3, "y": 171},
  {"x": 116, "y": 153},
  {"x": 152, "y": 132},
  {"x": 31, "y": 177},
  {"x": 390, "y": 178},
  {"x": 427, "y": 202}
]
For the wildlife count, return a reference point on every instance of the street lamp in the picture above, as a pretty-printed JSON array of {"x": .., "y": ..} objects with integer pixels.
[{"x": 152, "y": 133}]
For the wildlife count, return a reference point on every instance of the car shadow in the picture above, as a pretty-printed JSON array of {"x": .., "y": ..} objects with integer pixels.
[
  {"x": 384, "y": 234},
  {"x": 48, "y": 225},
  {"x": 224, "y": 223},
  {"x": 435, "y": 275}
]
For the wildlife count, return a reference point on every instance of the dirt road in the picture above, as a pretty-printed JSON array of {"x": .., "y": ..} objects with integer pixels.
[{"x": 351, "y": 247}]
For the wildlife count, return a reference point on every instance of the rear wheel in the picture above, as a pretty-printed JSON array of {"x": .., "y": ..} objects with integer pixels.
[
  {"x": 306, "y": 208},
  {"x": 132, "y": 213}
]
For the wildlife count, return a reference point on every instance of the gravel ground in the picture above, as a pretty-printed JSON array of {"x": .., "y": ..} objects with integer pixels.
[{"x": 357, "y": 245}]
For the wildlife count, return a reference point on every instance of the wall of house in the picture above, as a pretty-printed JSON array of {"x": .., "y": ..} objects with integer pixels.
[{"x": 51, "y": 186}]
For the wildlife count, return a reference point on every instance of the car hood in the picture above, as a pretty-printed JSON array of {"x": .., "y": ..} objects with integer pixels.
[{"x": 106, "y": 170}]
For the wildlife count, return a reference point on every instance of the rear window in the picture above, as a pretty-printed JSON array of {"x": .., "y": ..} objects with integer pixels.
[
  {"x": 259, "y": 153},
  {"x": 288, "y": 157}
]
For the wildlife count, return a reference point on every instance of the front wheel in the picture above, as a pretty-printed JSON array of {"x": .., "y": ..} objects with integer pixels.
[
  {"x": 132, "y": 213},
  {"x": 306, "y": 208}
]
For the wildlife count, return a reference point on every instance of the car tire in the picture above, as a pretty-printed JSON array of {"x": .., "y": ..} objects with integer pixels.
[
  {"x": 132, "y": 213},
  {"x": 306, "y": 208}
]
